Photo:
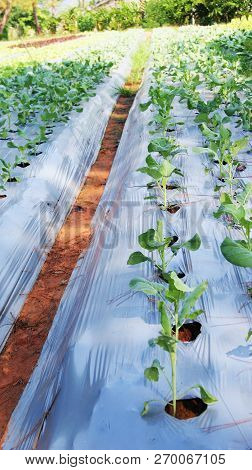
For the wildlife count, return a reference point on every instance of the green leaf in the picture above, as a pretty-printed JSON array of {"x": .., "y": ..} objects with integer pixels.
[
  {"x": 137, "y": 257},
  {"x": 201, "y": 150},
  {"x": 239, "y": 145},
  {"x": 168, "y": 343},
  {"x": 166, "y": 169},
  {"x": 146, "y": 408},
  {"x": 148, "y": 241},
  {"x": 236, "y": 253},
  {"x": 152, "y": 374},
  {"x": 151, "y": 162},
  {"x": 237, "y": 212},
  {"x": 194, "y": 314},
  {"x": 206, "y": 396},
  {"x": 147, "y": 287},
  {"x": 177, "y": 171},
  {"x": 208, "y": 133},
  {"x": 225, "y": 133},
  {"x": 231, "y": 110},
  {"x": 165, "y": 321},
  {"x": 11, "y": 145},
  {"x": 147, "y": 198},
  {"x": 225, "y": 198},
  {"x": 244, "y": 196},
  {"x": 193, "y": 244},
  {"x": 202, "y": 117},
  {"x": 157, "y": 364},
  {"x": 180, "y": 285},
  {"x": 152, "y": 172},
  {"x": 144, "y": 106},
  {"x": 249, "y": 335},
  {"x": 165, "y": 146},
  {"x": 191, "y": 300}
]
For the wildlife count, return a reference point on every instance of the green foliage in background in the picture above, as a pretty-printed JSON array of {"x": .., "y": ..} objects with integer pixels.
[{"x": 148, "y": 13}]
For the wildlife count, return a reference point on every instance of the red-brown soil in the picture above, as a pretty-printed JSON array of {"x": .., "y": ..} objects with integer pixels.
[
  {"x": 173, "y": 209},
  {"x": 46, "y": 42},
  {"x": 189, "y": 331},
  {"x": 24, "y": 345},
  {"x": 187, "y": 408}
]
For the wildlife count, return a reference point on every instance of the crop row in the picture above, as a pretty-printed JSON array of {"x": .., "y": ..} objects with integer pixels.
[
  {"x": 190, "y": 67},
  {"x": 34, "y": 98},
  {"x": 104, "y": 43}
]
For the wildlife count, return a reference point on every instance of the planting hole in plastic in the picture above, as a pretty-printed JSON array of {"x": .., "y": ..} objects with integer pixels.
[
  {"x": 172, "y": 186},
  {"x": 218, "y": 161},
  {"x": 23, "y": 164},
  {"x": 181, "y": 275},
  {"x": 241, "y": 167},
  {"x": 187, "y": 408},
  {"x": 189, "y": 331},
  {"x": 12, "y": 180},
  {"x": 36, "y": 154},
  {"x": 173, "y": 209}
]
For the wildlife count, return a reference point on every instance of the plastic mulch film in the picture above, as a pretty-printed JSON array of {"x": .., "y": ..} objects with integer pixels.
[
  {"x": 35, "y": 209},
  {"x": 88, "y": 388}
]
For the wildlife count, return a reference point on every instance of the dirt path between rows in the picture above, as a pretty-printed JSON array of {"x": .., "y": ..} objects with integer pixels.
[
  {"x": 25, "y": 343},
  {"x": 46, "y": 41}
]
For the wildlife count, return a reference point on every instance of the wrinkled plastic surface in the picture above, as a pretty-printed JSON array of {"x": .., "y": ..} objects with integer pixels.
[
  {"x": 90, "y": 373},
  {"x": 35, "y": 208}
]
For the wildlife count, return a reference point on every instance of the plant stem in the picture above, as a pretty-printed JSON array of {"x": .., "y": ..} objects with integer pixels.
[
  {"x": 173, "y": 356},
  {"x": 248, "y": 237},
  {"x": 165, "y": 195},
  {"x": 162, "y": 255}
]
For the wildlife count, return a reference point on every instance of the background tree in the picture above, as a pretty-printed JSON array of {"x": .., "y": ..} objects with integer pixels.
[
  {"x": 5, "y": 10},
  {"x": 6, "y": 7},
  {"x": 35, "y": 16}
]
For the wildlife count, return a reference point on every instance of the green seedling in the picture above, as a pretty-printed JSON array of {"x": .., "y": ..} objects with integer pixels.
[
  {"x": 6, "y": 174},
  {"x": 176, "y": 304},
  {"x": 160, "y": 173},
  {"x": 155, "y": 241},
  {"x": 222, "y": 149},
  {"x": 237, "y": 252}
]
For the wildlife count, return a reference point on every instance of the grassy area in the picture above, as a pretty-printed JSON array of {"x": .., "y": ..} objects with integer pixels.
[{"x": 139, "y": 60}]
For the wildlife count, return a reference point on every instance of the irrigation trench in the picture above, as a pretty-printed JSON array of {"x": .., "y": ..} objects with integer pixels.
[{"x": 22, "y": 350}]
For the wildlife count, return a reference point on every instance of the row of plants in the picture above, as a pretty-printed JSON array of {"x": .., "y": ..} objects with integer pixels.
[
  {"x": 34, "y": 98},
  {"x": 175, "y": 299},
  {"x": 201, "y": 64},
  {"x": 41, "y": 96},
  {"x": 190, "y": 66}
]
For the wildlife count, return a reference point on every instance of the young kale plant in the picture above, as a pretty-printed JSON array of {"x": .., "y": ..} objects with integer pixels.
[
  {"x": 161, "y": 169},
  {"x": 239, "y": 215},
  {"x": 223, "y": 150},
  {"x": 176, "y": 304},
  {"x": 160, "y": 173},
  {"x": 155, "y": 241},
  {"x": 6, "y": 173}
]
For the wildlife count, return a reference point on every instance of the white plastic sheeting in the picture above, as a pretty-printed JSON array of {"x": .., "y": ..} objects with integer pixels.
[
  {"x": 35, "y": 209},
  {"x": 90, "y": 373}
]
